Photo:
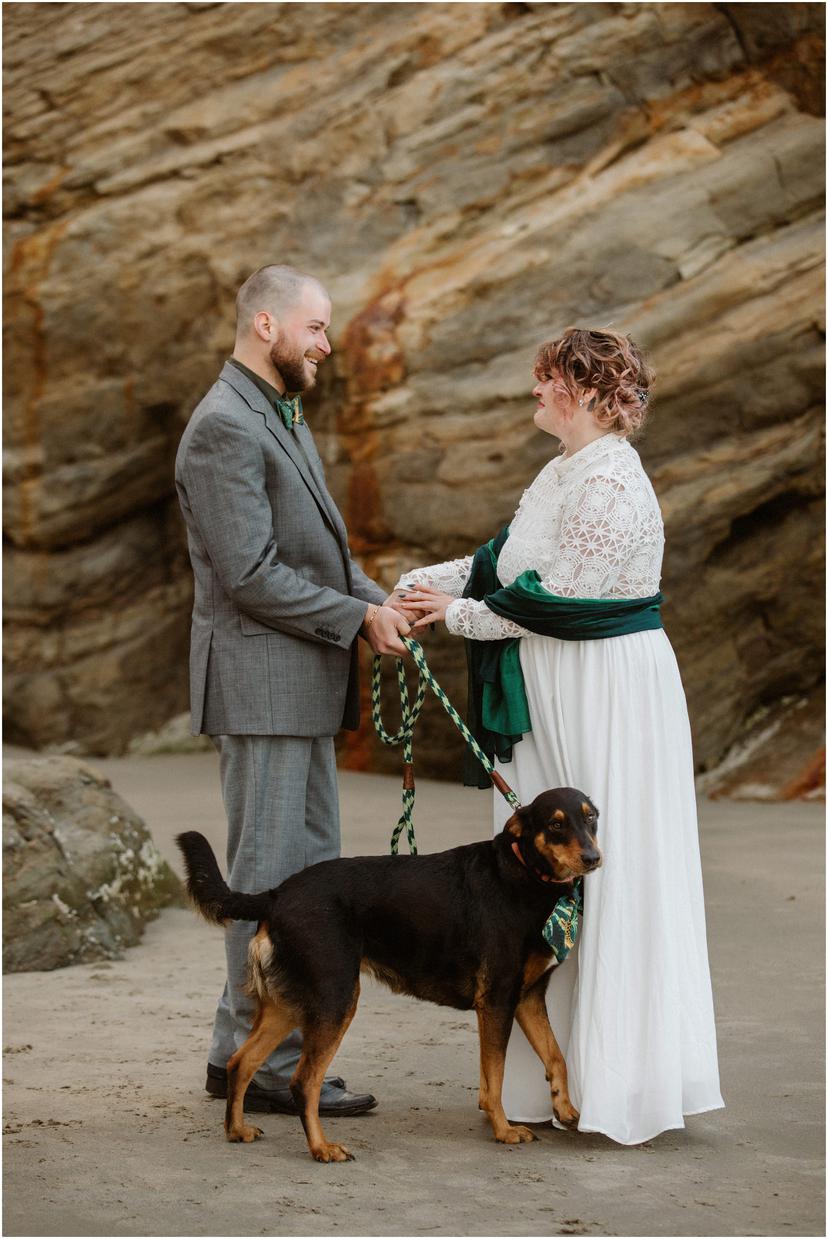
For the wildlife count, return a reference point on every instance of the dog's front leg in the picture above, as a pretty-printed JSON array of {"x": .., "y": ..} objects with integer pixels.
[
  {"x": 494, "y": 1026},
  {"x": 533, "y": 1018}
]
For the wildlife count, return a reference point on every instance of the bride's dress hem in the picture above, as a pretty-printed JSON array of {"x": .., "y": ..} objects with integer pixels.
[{"x": 599, "y": 1131}]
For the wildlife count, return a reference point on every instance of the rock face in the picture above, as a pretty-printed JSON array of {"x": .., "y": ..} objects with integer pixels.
[
  {"x": 81, "y": 874},
  {"x": 468, "y": 180},
  {"x": 767, "y": 761}
]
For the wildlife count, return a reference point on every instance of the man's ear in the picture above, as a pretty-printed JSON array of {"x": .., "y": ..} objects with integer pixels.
[
  {"x": 514, "y": 826},
  {"x": 262, "y": 325}
]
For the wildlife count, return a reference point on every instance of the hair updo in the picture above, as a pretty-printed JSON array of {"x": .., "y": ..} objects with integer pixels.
[{"x": 610, "y": 363}]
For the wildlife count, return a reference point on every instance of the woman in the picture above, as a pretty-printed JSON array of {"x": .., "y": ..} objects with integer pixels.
[{"x": 631, "y": 1006}]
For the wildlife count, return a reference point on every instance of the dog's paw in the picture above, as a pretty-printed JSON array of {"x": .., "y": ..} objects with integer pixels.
[
  {"x": 516, "y": 1135},
  {"x": 244, "y": 1135},
  {"x": 567, "y": 1114},
  {"x": 331, "y": 1153}
]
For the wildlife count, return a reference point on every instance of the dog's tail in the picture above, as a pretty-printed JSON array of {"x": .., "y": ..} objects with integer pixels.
[{"x": 208, "y": 889}]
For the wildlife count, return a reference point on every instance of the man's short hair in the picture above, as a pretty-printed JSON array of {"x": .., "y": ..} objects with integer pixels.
[{"x": 275, "y": 289}]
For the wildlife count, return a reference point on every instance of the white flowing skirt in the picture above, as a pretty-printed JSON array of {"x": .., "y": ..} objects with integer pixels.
[{"x": 631, "y": 1007}]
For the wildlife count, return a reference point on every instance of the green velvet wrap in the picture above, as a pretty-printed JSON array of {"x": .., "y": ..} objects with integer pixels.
[{"x": 498, "y": 712}]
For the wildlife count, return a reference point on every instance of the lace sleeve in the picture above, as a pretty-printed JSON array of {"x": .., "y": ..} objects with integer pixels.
[
  {"x": 599, "y": 534},
  {"x": 468, "y": 618},
  {"x": 449, "y": 577}
]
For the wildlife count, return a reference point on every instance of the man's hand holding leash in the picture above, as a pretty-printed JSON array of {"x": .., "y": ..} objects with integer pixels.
[{"x": 382, "y": 627}]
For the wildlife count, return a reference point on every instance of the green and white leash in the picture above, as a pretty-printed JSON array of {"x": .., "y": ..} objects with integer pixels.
[
  {"x": 561, "y": 929},
  {"x": 409, "y": 716}
]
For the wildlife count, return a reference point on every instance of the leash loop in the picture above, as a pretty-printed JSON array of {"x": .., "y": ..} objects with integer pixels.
[
  {"x": 561, "y": 929},
  {"x": 404, "y": 736},
  {"x": 408, "y": 717}
]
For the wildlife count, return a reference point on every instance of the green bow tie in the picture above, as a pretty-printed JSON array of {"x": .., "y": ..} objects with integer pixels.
[{"x": 290, "y": 411}]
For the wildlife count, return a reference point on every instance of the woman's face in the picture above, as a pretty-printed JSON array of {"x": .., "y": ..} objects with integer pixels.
[{"x": 555, "y": 406}]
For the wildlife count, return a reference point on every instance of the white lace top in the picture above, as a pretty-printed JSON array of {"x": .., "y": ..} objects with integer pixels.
[{"x": 589, "y": 524}]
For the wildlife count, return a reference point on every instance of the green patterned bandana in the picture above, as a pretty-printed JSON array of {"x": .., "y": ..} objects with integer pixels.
[{"x": 561, "y": 930}]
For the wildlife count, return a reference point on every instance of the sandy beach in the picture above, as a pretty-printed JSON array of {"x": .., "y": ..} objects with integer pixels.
[{"x": 108, "y": 1130}]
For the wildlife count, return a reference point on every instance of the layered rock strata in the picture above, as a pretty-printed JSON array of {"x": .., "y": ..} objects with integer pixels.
[{"x": 468, "y": 180}]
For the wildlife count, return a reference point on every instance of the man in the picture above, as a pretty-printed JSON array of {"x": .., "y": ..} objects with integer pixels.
[{"x": 278, "y": 606}]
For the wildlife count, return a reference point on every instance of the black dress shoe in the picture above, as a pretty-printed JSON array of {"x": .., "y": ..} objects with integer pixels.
[{"x": 334, "y": 1098}]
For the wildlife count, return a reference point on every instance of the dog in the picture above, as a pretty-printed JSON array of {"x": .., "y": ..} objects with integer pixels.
[{"x": 462, "y": 928}]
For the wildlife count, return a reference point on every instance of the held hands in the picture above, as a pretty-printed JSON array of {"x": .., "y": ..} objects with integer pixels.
[
  {"x": 423, "y": 603},
  {"x": 395, "y": 601},
  {"x": 382, "y": 627}
]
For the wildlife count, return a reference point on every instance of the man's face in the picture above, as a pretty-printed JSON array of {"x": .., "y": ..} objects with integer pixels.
[{"x": 300, "y": 340}]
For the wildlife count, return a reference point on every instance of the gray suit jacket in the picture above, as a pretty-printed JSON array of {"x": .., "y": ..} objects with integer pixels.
[{"x": 278, "y": 599}]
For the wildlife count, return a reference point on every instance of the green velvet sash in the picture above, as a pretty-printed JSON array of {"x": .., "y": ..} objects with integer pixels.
[{"x": 498, "y": 712}]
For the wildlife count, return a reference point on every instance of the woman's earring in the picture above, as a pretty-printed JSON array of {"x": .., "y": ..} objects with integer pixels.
[{"x": 580, "y": 402}]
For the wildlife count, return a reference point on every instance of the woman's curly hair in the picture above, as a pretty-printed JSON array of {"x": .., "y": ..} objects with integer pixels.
[{"x": 610, "y": 363}]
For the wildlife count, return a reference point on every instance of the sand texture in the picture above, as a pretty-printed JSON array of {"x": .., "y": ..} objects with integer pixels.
[{"x": 108, "y": 1131}]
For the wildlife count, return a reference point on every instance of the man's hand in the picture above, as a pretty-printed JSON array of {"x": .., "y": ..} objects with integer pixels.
[{"x": 382, "y": 628}]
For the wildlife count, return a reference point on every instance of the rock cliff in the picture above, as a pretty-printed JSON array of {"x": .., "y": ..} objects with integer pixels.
[{"x": 467, "y": 180}]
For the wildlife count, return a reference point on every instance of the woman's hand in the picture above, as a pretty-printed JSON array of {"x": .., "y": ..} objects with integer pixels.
[
  {"x": 394, "y": 600},
  {"x": 426, "y": 603}
]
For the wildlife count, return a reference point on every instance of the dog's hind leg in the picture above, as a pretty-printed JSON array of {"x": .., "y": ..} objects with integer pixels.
[
  {"x": 320, "y": 1041},
  {"x": 533, "y": 1018},
  {"x": 272, "y": 1025},
  {"x": 494, "y": 1026}
]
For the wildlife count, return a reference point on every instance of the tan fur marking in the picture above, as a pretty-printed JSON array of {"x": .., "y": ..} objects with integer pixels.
[
  {"x": 259, "y": 954},
  {"x": 535, "y": 966},
  {"x": 559, "y": 815},
  {"x": 481, "y": 987},
  {"x": 514, "y": 826},
  {"x": 560, "y": 856},
  {"x": 571, "y": 856},
  {"x": 272, "y": 1025},
  {"x": 320, "y": 1043},
  {"x": 585, "y": 809},
  {"x": 531, "y": 1015},
  {"x": 492, "y": 1060},
  {"x": 386, "y": 976}
]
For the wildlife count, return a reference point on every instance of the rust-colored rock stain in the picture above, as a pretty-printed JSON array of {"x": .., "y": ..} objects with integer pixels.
[
  {"x": 372, "y": 361},
  {"x": 30, "y": 261},
  {"x": 809, "y": 782}
]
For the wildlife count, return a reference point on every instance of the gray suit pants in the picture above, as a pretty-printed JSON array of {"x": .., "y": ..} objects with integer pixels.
[{"x": 282, "y": 807}]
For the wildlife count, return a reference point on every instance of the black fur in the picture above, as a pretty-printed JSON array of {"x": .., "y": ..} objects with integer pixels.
[
  {"x": 428, "y": 926},
  {"x": 461, "y": 928},
  {"x": 208, "y": 889}
]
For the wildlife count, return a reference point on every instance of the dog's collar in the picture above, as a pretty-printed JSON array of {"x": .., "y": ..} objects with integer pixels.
[{"x": 542, "y": 877}]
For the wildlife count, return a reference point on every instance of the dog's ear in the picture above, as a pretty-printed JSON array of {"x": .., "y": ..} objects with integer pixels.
[{"x": 515, "y": 824}]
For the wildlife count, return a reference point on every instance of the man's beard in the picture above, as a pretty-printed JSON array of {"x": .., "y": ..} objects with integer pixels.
[{"x": 290, "y": 364}]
